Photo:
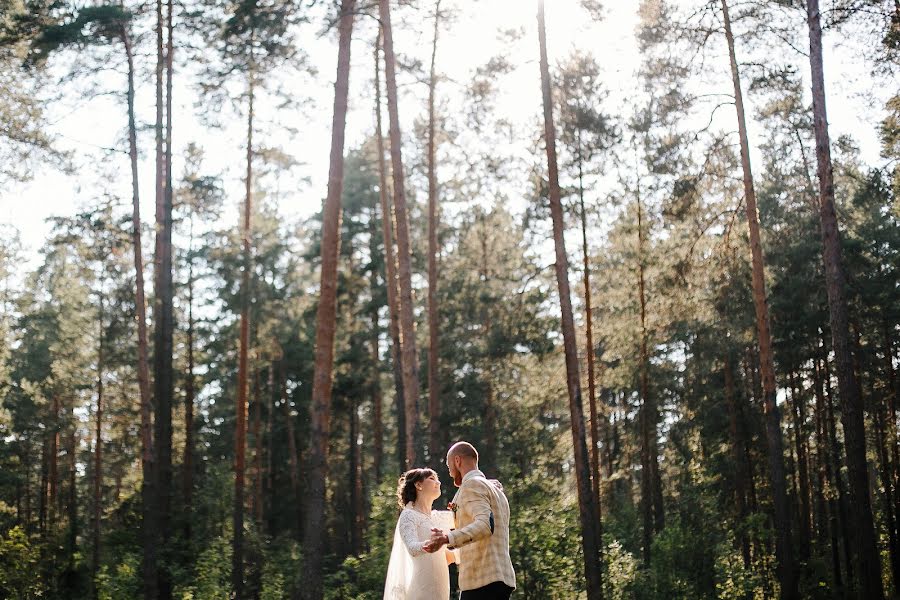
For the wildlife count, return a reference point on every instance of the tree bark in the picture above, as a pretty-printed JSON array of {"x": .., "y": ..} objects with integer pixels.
[
  {"x": 737, "y": 455},
  {"x": 784, "y": 551},
  {"x": 293, "y": 457},
  {"x": 885, "y": 473},
  {"x": 325, "y": 317},
  {"x": 54, "y": 463},
  {"x": 162, "y": 338},
  {"x": 356, "y": 492},
  {"x": 589, "y": 349},
  {"x": 377, "y": 425},
  {"x": 410, "y": 361},
  {"x": 98, "y": 462},
  {"x": 868, "y": 559},
  {"x": 587, "y": 510},
  {"x": 434, "y": 398},
  {"x": 390, "y": 269},
  {"x": 830, "y": 487},
  {"x": 257, "y": 452},
  {"x": 240, "y": 432},
  {"x": 799, "y": 419},
  {"x": 843, "y": 509},
  {"x": 188, "y": 459},
  {"x": 143, "y": 368},
  {"x": 651, "y": 507}
]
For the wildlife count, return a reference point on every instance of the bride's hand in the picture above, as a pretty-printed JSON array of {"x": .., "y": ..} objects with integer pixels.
[{"x": 438, "y": 539}]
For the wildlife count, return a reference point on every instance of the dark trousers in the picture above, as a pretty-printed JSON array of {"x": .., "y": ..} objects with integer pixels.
[{"x": 493, "y": 591}]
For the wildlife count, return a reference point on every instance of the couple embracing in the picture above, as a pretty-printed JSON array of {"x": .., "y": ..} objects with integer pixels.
[{"x": 474, "y": 534}]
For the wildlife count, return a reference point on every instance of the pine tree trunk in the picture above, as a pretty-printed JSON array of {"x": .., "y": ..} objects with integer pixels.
[
  {"x": 826, "y": 451},
  {"x": 293, "y": 457},
  {"x": 434, "y": 398},
  {"x": 188, "y": 459},
  {"x": 54, "y": 463},
  {"x": 257, "y": 453},
  {"x": 784, "y": 551},
  {"x": 98, "y": 462},
  {"x": 410, "y": 361},
  {"x": 885, "y": 473},
  {"x": 843, "y": 508},
  {"x": 390, "y": 268},
  {"x": 162, "y": 336},
  {"x": 269, "y": 447},
  {"x": 869, "y": 562},
  {"x": 740, "y": 471},
  {"x": 44, "y": 492},
  {"x": 587, "y": 510},
  {"x": 72, "y": 508},
  {"x": 797, "y": 413},
  {"x": 143, "y": 368},
  {"x": 325, "y": 318},
  {"x": 377, "y": 417},
  {"x": 651, "y": 506},
  {"x": 356, "y": 493},
  {"x": 240, "y": 432},
  {"x": 589, "y": 348}
]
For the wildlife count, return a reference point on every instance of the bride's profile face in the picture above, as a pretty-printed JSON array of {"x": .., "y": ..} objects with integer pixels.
[{"x": 430, "y": 487}]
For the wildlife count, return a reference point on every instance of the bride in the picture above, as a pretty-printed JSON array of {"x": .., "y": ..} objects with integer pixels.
[{"x": 413, "y": 573}]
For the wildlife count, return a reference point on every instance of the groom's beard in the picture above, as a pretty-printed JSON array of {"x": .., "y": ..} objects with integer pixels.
[{"x": 457, "y": 479}]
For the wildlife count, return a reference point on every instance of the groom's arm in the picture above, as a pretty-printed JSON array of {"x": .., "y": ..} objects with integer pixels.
[{"x": 477, "y": 501}]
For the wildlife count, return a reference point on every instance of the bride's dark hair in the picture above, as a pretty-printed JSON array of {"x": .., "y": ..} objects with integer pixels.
[{"x": 406, "y": 485}]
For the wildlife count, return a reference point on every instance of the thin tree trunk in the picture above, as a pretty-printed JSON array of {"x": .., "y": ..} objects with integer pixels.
[
  {"x": 885, "y": 473},
  {"x": 434, "y": 398},
  {"x": 651, "y": 508},
  {"x": 830, "y": 487},
  {"x": 377, "y": 425},
  {"x": 356, "y": 493},
  {"x": 589, "y": 347},
  {"x": 784, "y": 552},
  {"x": 42, "y": 503},
  {"x": 240, "y": 433},
  {"x": 269, "y": 447},
  {"x": 188, "y": 459},
  {"x": 258, "y": 452},
  {"x": 869, "y": 562},
  {"x": 737, "y": 445},
  {"x": 894, "y": 442},
  {"x": 410, "y": 361},
  {"x": 54, "y": 463},
  {"x": 390, "y": 268},
  {"x": 843, "y": 508},
  {"x": 143, "y": 368},
  {"x": 162, "y": 338},
  {"x": 325, "y": 318},
  {"x": 587, "y": 510},
  {"x": 802, "y": 467},
  {"x": 72, "y": 541},
  {"x": 293, "y": 457},
  {"x": 98, "y": 462}
]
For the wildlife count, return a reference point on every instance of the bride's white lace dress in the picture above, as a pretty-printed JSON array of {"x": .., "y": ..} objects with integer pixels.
[{"x": 414, "y": 574}]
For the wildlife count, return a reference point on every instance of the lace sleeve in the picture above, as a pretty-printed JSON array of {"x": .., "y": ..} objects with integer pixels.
[{"x": 407, "y": 526}]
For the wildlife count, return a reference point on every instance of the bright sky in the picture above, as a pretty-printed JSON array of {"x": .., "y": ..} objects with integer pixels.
[{"x": 84, "y": 126}]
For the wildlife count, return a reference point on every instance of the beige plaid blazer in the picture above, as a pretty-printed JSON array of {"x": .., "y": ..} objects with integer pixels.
[{"x": 482, "y": 533}]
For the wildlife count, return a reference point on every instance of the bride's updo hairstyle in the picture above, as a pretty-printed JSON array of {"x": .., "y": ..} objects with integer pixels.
[{"x": 406, "y": 485}]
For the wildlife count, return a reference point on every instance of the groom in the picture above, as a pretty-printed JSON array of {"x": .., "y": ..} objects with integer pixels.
[{"x": 481, "y": 516}]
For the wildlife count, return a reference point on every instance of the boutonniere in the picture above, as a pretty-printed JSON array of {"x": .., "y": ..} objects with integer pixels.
[{"x": 453, "y": 506}]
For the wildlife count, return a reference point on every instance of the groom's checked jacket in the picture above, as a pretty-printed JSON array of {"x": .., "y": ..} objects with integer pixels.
[{"x": 481, "y": 517}]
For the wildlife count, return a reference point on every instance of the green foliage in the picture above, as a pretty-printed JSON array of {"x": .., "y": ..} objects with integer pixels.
[
  {"x": 20, "y": 575},
  {"x": 122, "y": 580}
]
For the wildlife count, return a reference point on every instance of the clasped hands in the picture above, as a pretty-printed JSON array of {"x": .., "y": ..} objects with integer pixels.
[{"x": 437, "y": 541}]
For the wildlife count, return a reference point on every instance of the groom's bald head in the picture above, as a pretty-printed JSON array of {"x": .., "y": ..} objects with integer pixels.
[{"x": 463, "y": 450}]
